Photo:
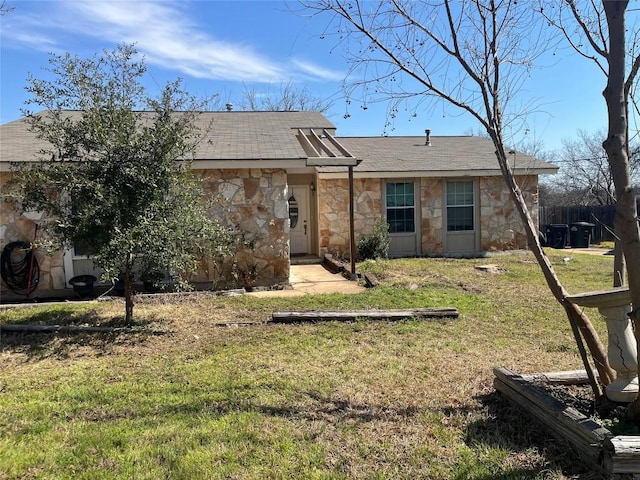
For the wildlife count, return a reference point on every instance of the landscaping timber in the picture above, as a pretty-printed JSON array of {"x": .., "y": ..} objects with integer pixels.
[
  {"x": 616, "y": 457},
  {"x": 15, "y": 328},
  {"x": 583, "y": 434},
  {"x": 622, "y": 454},
  {"x": 569, "y": 377},
  {"x": 352, "y": 315}
]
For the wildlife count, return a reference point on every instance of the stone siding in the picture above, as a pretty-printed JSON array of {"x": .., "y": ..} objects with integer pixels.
[
  {"x": 500, "y": 224},
  {"x": 432, "y": 215},
  {"x": 256, "y": 203},
  {"x": 15, "y": 227},
  {"x": 333, "y": 210}
]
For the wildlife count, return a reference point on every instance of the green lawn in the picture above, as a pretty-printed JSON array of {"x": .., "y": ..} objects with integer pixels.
[{"x": 360, "y": 400}]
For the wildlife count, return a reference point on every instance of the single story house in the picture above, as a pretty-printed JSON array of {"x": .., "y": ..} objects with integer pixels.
[{"x": 286, "y": 177}]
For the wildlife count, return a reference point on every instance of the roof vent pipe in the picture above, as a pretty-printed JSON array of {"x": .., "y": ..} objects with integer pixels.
[
  {"x": 428, "y": 139},
  {"x": 229, "y": 106}
]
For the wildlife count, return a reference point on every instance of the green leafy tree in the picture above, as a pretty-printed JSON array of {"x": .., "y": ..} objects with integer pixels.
[{"x": 115, "y": 176}]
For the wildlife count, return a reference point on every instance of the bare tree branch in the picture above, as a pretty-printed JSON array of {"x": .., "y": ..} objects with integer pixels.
[
  {"x": 575, "y": 41},
  {"x": 4, "y": 8},
  {"x": 471, "y": 54}
]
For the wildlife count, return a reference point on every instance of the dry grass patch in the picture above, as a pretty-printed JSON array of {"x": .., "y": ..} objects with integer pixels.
[{"x": 410, "y": 399}]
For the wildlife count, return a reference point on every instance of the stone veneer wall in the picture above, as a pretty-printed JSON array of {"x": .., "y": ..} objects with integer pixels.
[
  {"x": 333, "y": 210},
  {"x": 256, "y": 202},
  {"x": 15, "y": 227},
  {"x": 500, "y": 224},
  {"x": 432, "y": 215}
]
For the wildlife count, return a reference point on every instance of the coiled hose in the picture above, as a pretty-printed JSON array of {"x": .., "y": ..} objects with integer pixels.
[{"x": 19, "y": 268}]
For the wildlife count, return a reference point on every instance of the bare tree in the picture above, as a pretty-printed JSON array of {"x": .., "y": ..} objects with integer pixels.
[
  {"x": 584, "y": 177},
  {"x": 586, "y": 26},
  {"x": 473, "y": 55},
  {"x": 599, "y": 33},
  {"x": 616, "y": 145},
  {"x": 4, "y": 8},
  {"x": 288, "y": 98},
  {"x": 584, "y": 170}
]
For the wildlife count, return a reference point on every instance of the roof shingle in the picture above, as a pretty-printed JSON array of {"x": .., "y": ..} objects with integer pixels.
[{"x": 445, "y": 154}]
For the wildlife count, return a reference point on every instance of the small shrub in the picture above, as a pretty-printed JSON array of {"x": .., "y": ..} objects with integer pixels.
[{"x": 375, "y": 245}]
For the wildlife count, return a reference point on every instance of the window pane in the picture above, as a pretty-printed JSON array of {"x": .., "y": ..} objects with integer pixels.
[
  {"x": 391, "y": 189},
  {"x": 467, "y": 194},
  {"x": 460, "y": 205},
  {"x": 459, "y": 193},
  {"x": 459, "y": 218},
  {"x": 400, "y": 200},
  {"x": 400, "y": 194},
  {"x": 401, "y": 220}
]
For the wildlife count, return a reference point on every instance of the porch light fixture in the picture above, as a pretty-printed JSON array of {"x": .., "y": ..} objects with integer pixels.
[{"x": 312, "y": 186}]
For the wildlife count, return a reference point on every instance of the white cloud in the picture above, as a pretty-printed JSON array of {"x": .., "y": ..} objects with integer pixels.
[
  {"x": 317, "y": 72},
  {"x": 169, "y": 38},
  {"x": 167, "y": 33},
  {"x": 34, "y": 40}
]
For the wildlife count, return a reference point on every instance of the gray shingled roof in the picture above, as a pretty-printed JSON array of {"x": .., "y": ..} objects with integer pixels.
[
  {"x": 272, "y": 136},
  {"x": 258, "y": 135},
  {"x": 231, "y": 136},
  {"x": 445, "y": 154}
]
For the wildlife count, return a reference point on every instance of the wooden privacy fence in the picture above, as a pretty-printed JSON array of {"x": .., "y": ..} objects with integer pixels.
[{"x": 601, "y": 216}]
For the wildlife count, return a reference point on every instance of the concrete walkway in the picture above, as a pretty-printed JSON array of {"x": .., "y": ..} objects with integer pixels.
[
  {"x": 588, "y": 251},
  {"x": 313, "y": 279}
]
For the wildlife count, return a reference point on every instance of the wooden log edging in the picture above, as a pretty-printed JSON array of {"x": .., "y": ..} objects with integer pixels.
[
  {"x": 352, "y": 315},
  {"x": 568, "y": 377},
  {"x": 17, "y": 327},
  {"x": 614, "y": 456},
  {"x": 584, "y": 435},
  {"x": 622, "y": 455}
]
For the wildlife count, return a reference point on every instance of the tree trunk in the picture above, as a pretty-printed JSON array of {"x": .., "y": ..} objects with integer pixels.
[
  {"x": 577, "y": 319},
  {"x": 626, "y": 223},
  {"x": 128, "y": 296}
]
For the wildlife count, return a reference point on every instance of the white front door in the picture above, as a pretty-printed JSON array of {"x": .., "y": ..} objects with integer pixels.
[{"x": 300, "y": 230}]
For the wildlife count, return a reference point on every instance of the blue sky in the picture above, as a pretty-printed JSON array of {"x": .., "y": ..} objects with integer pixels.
[{"x": 224, "y": 47}]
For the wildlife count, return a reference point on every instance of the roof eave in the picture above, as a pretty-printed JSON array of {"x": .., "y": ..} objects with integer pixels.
[
  {"x": 332, "y": 162},
  {"x": 210, "y": 164},
  {"x": 434, "y": 174}
]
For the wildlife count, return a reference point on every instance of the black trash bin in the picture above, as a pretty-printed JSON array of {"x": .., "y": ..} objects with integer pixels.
[
  {"x": 557, "y": 235},
  {"x": 581, "y": 234},
  {"x": 83, "y": 285}
]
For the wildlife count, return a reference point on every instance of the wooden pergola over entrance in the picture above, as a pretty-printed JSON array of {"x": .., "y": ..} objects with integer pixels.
[{"x": 324, "y": 150}]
